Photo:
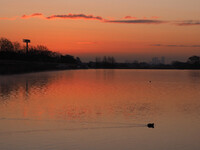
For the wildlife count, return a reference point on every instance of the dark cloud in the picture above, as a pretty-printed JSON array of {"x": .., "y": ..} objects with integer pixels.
[
  {"x": 125, "y": 20},
  {"x": 75, "y": 16},
  {"x": 188, "y": 23},
  {"x": 162, "y": 45},
  {"x": 138, "y": 21}
]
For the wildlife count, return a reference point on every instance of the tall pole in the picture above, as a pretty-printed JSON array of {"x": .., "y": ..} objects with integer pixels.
[
  {"x": 26, "y": 41},
  {"x": 26, "y": 47}
]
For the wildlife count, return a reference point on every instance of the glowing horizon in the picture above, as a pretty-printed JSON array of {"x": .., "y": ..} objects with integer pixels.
[{"x": 127, "y": 30}]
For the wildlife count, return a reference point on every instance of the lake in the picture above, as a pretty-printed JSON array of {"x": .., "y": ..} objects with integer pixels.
[{"x": 100, "y": 110}]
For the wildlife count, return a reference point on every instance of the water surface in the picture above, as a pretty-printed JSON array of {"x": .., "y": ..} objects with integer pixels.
[{"x": 101, "y": 110}]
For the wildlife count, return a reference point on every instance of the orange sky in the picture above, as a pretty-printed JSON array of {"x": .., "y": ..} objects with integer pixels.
[{"x": 88, "y": 28}]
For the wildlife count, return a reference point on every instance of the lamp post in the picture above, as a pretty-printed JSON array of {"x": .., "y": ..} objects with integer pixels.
[{"x": 26, "y": 41}]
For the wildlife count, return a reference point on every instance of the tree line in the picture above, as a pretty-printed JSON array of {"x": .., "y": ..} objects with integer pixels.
[
  {"x": 14, "y": 51},
  {"x": 108, "y": 62}
]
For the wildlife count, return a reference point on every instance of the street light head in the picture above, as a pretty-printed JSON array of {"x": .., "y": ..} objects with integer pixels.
[{"x": 26, "y": 40}]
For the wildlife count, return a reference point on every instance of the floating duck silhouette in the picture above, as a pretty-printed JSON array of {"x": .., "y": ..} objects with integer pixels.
[{"x": 150, "y": 125}]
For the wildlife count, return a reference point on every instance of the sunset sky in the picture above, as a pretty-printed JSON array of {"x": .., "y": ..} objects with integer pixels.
[{"x": 125, "y": 29}]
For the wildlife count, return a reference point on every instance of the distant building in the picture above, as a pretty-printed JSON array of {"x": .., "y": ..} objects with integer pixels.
[
  {"x": 162, "y": 60},
  {"x": 157, "y": 61}
]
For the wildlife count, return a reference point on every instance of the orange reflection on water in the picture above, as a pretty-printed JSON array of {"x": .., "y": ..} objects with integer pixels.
[
  {"x": 101, "y": 106},
  {"x": 69, "y": 95}
]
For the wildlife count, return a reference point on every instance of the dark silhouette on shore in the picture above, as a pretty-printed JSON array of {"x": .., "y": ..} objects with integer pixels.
[
  {"x": 193, "y": 62},
  {"x": 17, "y": 59},
  {"x": 26, "y": 41}
]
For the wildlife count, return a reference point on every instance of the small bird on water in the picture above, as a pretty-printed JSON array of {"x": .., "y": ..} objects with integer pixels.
[{"x": 150, "y": 125}]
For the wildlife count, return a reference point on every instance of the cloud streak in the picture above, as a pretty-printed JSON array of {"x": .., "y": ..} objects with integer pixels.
[
  {"x": 32, "y": 15},
  {"x": 125, "y": 20},
  {"x": 132, "y": 20},
  {"x": 174, "y": 45},
  {"x": 137, "y": 21},
  {"x": 188, "y": 23},
  {"x": 75, "y": 16}
]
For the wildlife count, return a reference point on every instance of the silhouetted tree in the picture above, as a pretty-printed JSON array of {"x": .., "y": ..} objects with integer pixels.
[
  {"x": 78, "y": 60},
  {"x": 42, "y": 48},
  {"x": 6, "y": 45},
  {"x": 16, "y": 46},
  {"x": 179, "y": 65},
  {"x": 194, "y": 60}
]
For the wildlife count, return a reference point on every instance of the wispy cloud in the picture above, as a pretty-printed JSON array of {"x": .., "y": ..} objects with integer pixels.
[
  {"x": 92, "y": 17},
  {"x": 138, "y": 21},
  {"x": 32, "y": 15},
  {"x": 188, "y": 23},
  {"x": 125, "y": 20},
  {"x": 174, "y": 45},
  {"x": 75, "y": 16}
]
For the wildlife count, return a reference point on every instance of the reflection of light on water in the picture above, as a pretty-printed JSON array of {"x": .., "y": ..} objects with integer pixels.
[
  {"x": 103, "y": 106},
  {"x": 75, "y": 95}
]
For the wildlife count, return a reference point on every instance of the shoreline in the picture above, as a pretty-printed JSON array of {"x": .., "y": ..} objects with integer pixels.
[
  {"x": 12, "y": 67},
  {"x": 23, "y": 67}
]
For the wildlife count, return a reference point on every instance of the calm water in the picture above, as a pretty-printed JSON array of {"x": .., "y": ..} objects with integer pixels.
[{"x": 100, "y": 110}]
